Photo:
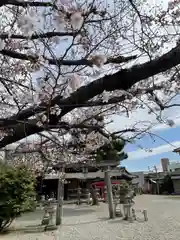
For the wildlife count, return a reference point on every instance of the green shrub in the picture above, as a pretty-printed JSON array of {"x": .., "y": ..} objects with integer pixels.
[
  {"x": 111, "y": 151},
  {"x": 17, "y": 192}
]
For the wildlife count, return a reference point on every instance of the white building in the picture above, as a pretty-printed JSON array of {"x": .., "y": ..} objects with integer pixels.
[
  {"x": 174, "y": 166},
  {"x": 139, "y": 180}
]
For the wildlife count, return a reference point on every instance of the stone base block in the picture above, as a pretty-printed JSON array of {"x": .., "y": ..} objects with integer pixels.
[
  {"x": 45, "y": 221},
  {"x": 119, "y": 213},
  {"x": 50, "y": 228}
]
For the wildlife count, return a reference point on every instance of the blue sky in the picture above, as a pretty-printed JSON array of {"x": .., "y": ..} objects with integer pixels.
[
  {"x": 164, "y": 140},
  {"x": 170, "y": 134}
]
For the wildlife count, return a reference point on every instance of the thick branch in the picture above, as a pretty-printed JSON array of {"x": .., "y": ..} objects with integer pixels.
[
  {"x": 67, "y": 126},
  {"x": 37, "y": 35},
  {"x": 120, "y": 59},
  {"x": 24, "y": 114},
  {"x": 123, "y": 79},
  {"x": 21, "y": 131},
  {"x": 125, "y": 131},
  {"x": 87, "y": 62},
  {"x": 51, "y": 61},
  {"x": 17, "y": 55},
  {"x": 27, "y": 3},
  {"x": 28, "y": 128}
]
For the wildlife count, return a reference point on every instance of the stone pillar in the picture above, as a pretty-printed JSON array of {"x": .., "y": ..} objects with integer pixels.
[
  {"x": 78, "y": 196},
  {"x": 109, "y": 194},
  {"x": 59, "y": 201}
]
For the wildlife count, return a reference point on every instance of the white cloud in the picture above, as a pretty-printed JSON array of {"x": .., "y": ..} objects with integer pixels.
[
  {"x": 144, "y": 119},
  {"x": 141, "y": 154},
  {"x": 123, "y": 122},
  {"x": 161, "y": 127}
]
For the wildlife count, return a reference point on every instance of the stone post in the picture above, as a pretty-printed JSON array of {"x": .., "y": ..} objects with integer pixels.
[
  {"x": 109, "y": 194},
  {"x": 79, "y": 196},
  {"x": 60, "y": 196}
]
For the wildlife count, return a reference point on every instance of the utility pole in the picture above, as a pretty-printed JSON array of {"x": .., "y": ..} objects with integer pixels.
[
  {"x": 60, "y": 196},
  {"x": 107, "y": 180},
  {"x": 157, "y": 181}
]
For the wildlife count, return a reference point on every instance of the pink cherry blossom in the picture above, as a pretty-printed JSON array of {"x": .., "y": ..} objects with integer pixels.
[
  {"x": 171, "y": 4},
  {"x": 99, "y": 60},
  {"x": 66, "y": 2},
  {"x": 74, "y": 82},
  {"x": 77, "y": 20}
]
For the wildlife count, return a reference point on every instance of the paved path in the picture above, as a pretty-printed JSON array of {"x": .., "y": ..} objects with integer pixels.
[{"x": 91, "y": 223}]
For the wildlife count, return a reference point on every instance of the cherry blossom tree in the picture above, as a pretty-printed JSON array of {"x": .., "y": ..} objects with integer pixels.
[{"x": 67, "y": 66}]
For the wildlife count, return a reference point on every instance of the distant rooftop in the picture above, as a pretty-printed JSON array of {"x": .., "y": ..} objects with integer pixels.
[{"x": 174, "y": 165}]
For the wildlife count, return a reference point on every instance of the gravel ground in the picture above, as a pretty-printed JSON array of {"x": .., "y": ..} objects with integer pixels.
[{"x": 92, "y": 223}]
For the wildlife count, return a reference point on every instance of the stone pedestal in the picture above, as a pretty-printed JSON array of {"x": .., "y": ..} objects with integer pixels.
[
  {"x": 127, "y": 211},
  {"x": 45, "y": 220},
  {"x": 88, "y": 196},
  {"x": 127, "y": 206},
  {"x": 49, "y": 213},
  {"x": 118, "y": 213}
]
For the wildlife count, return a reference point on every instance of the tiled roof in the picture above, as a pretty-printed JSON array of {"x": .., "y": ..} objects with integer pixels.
[{"x": 90, "y": 175}]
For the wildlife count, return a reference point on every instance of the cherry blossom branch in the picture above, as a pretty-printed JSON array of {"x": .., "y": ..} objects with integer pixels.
[
  {"x": 85, "y": 62},
  {"x": 121, "y": 98},
  {"x": 67, "y": 126},
  {"x": 24, "y": 114},
  {"x": 17, "y": 55},
  {"x": 26, "y": 150},
  {"x": 125, "y": 131},
  {"x": 37, "y": 35},
  {"x": 160, "y": 104},
  {"x": 120, "y": 59},
  {"x": 135, "y": 8},
  {"x": 29, "y": 127},
  {"x": 172, "y": 105},
  {"x": 157, "y": 100},
  {"x": 39, "y": 147},
  {"x": 123, "y": 79},
  {"x": 27, "y": 3},
  {"x": 15, "y": 83}
]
